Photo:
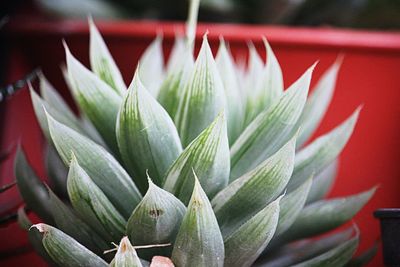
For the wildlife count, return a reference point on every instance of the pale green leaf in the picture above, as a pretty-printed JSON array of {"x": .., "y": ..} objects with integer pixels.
[
  {"x": 364, "y": 258},
  {"x": 245, "y": 244},
  {"x": 203, "y": 97},
  {"x": 208, "y": 156},
  {"x": 92, "y": 205},
  {"x": 177, "y": 53},
  {"x": 323, "y": 182},
  {"x": 100, "y": 165},
  {"x": 65, "y": 250},
  {"x": 56, "y": 171},
  {"x": 102, "y": 62},
  {"x": 252, "y": 75},
  {"x": 126, "y": 255},
  {"x": 199, "y": 241},
  {"x": 146, "y": 135},
  {"x": 270, "y": 129}
]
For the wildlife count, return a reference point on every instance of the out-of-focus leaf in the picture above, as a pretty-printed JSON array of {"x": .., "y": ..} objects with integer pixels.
[
  {"x": 323, "y": 182},
  {"x": 31, "y": 188},
  {"x": 102, "y": 62},
  {"x": 92, "y": 204},
  {"x": 270, "y": 129},
  {"x": 126, "y": 255},
  {"x": 151, "y": 66},
  {"x": 203, "y": 97},
  {"x": 100, "y": 165},
  {"x": 191, "y": 23},
  {"x": 199, "y": 240},
  {"x": 65, "y": 250},
  {"x": 248, "y": 194},
  {"x": 235, "y": 112},
  {"x": 177, "y": 53},
  {"x": 208, "y": 156},
  {"x": 155, "y": 220},
  {"x": 95, "y": 98},
  {"x": 146, "y": 135},
  {"x": 245, "y": 244},
  {"x": 364, "y": 258},
  {"x": 6, "y": 187},
  {"x": 56, "y": 171},
  {"x": 322, "y": 151},
  {"x": 252, "y": 76},
  {"x": 318, "y": 102}
]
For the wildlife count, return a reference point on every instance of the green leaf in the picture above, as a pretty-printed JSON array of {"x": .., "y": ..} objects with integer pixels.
[
  {"x": 56, "y": 171},
  {"x": 65, "y": 250},
  {"x": 318, "y": 103},
  {"x": 208, "y": 156},
  {"x": 31, "y": 187},
  {"x": 199, "y": 241},
  {"x": 155, "y": 220},
  {"x": 151, "y": 66},
  {"x": 126, "y": 255},
  {"x": 203, "y": 97},
  {"x": 322, "y": 151},
  {"x": 270, "y": 129},
  {"x": 252, "y": 76},
  {"x": 364, "y": 258},
  {"x": 268, "y": 87},
  {"x": 68, "y": 222},
  {"x": 324, "y": 215},
  {"x": 245, "y": 244},
  {"x": 251, "y": 192},
  {"x": 92, "y": 205},
  {"x": 235, "y": 112},
  {"x": 99, "y": 164},
  {"x": 95, "y": 98},
  {"x": 102, "y": 62},
  {"x": 337, "y": 256},
  {"x": 177, "y": 53},
  {"x": 146, "y": 135},
  {"x": 323, "y": 182}
]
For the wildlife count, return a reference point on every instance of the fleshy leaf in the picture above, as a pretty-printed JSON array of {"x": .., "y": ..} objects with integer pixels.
[
  {"x": 235, "y": 112},
  {"x": 253, "y": 74},
  {"x": 364, "y": 258},
  {"x": 95, "y": 98},
  {"x": 322, "y": 151},
  {"x": 92, "y": 205},
  {"x": 318, "y": 102},
  {"x": 126, "y": 255},
  {"x": 56, "y": 171},
  {"x": 245, "y": 244},
  {"x": 208, "y": 156},
  {"x": 65, "y": 250},
  {"x": 323, "y": 182},
  {"x": 155, "y": 220},
  {"x": 203, "y": 97},
  {"x": 199, "y": 240},
  {"x": 100, "y": 165},
  {"x": 102, "y": 62},
  {"x": 151, "y": 66},
  {"x": 146, "y": 135},
  {"x": 31, "y": 188},
  {"x": 177, "y": 53},
  {"x": 270, "y": 129},
  {"x": 250, "y": 193}
]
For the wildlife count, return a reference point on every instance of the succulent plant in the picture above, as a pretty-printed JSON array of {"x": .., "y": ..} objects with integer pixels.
[{"x": 201, "y": 162}]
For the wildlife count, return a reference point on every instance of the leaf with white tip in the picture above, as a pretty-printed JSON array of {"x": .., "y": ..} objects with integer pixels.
[
  {"x": 323, "y": 182},
  {"x": 199, "y": 241},
  {"x": 146, "y": 135},
  {"x": 322, "y": 151},
  {"x": 126, "y": 255},
  {"x": 177, "y": 52},
  {"x": 65, "y": 250},
  {"x": 100, "y": 165},
  {"x": 270, "y": 129},
  {"x": 92, "y": 205},
  {"x": 95, "y": 98},
  {"x": 155, "y": 220},
  {"x": 203, "y": 97},
  {"x": 235, "y": 112},
  {"x": 253, "y": 74},
  {"x": 208, "y": 156},
  {"x": 318, "y": 102},
  {"x": 102, "y": 62},
  {"x": 245, "y": 244},
  {"x": 151, "y": 66},
  {"x": 248, "y": 194}
]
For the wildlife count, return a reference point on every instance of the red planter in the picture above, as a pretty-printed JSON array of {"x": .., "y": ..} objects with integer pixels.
[{"x": 369, "y": 76}]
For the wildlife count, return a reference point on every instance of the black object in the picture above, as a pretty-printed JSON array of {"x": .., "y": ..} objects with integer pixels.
[{"x": 390, "y": 232}]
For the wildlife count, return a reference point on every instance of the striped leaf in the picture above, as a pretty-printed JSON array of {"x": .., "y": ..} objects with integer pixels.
[
  {"x": 199, "y": 240},
  {"x": 323, "y": 182},
  {"x": 126, "y": 255},
  {"x": 251, "y": 77},
  {"x": 102, "y": 63},
  {"x": 203, "y": 97},
  {"x": 270, "y": 129},
  {"x": 146, "y": 135},
  {"x": 208, "y": 156},
  {"x": 100, "y": 165}
]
